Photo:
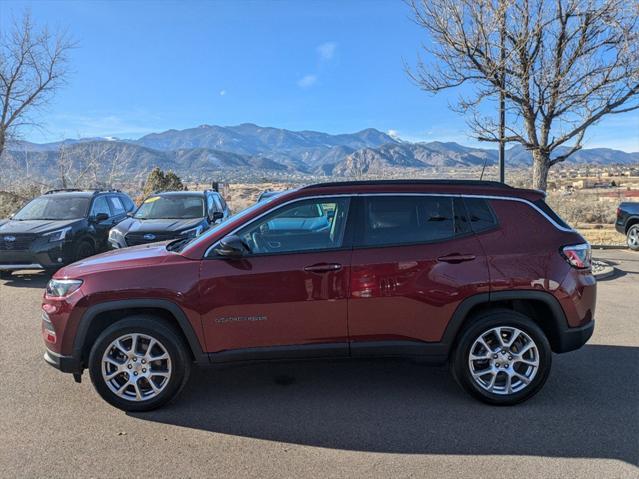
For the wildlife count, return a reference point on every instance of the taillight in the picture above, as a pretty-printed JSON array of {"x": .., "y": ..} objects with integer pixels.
[
  {"x": 577, "y": 255},
  {"x": 618, "y": 213}
]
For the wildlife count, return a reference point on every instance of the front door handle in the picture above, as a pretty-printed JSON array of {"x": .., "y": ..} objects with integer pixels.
[
  {"x": 456, "y": 258},
  {"x": 323, "y": 267}
]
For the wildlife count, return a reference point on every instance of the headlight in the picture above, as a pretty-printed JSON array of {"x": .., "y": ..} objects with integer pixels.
[
  {"x": 192, "y": 233},
  {"x": 59, "y": 288},
  {"x": 58, "y": 235},
  {"x": 114, "y": 235}
]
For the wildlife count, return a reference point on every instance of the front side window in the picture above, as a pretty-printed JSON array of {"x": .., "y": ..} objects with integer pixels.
[
  {"x": 306, "y": 225},
  {"x": 171, "y": 207},
  {"x": 396, "y": 220},
  {"x": 53, "y": 208},
  {"x": 100, "y": 205}
]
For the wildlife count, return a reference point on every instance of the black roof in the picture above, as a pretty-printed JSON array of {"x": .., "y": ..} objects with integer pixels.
[
  {"x": 491, "y": 184},
  {"x": 78, "y": 192}
]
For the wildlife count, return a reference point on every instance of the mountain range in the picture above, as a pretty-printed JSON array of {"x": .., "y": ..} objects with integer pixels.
[{"x": 209, "y": 149}]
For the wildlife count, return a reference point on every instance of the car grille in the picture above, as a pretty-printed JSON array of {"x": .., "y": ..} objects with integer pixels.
[
  {"x": 16, "y": 242},
  {"x": 133, "y": 239}
]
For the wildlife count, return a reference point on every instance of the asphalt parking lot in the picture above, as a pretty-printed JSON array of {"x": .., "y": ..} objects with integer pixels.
[{"x": 328, "y": 419}]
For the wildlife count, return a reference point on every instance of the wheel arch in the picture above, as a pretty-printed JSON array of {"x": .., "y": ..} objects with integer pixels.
[
  {"x": 540, "y": 306},
  {"x": 630, "y": 222},
  {"x": 98, "y": 317}
]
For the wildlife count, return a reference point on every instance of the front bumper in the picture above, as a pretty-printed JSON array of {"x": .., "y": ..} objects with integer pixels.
[
  {"x": 66, "y": 364},
  {"x": 573, "y": 338},
  {"x": 40, "y": 255}
]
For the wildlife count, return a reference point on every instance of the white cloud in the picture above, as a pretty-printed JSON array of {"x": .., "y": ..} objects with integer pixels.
[
  {"x": 326, "y": 50},
  {"x": 307, "y": 81},
  {"x": 222, "y": 92}
]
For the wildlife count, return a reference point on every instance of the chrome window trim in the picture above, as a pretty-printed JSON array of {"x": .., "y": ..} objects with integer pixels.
[{"x": 353, "y": 195}]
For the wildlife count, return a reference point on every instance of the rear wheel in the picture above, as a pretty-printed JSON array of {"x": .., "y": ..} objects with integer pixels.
[
  {"x": 632, "y": 237},
  {"x": 139, "y": 364},
  {"x": 502, "y": 358}
]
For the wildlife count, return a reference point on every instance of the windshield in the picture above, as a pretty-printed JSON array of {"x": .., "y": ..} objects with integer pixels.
[
  {"x": 54, "y": 208},
  {"x": 171, "y": 207}
]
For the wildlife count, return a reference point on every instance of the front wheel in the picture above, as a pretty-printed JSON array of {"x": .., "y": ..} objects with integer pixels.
[
  {"x": 632, "y": 237},
  {"x": 139, "y": 364},
  {"x": 502, "y": 358}
]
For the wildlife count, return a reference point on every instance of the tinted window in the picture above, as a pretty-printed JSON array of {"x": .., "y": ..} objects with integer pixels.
[
  {"x": 128, "y": 203},
  {"x": 480, "y": 214},
  {"x": 302, "y": 226},
  {"x": 100, "y": 206},
  {"x": 54, "y": 208},
  {"x": 116, "y": 205},
  {"x": 396, "y": 220}
]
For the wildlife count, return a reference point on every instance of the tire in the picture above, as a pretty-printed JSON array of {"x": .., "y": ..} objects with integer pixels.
[
  {"x": 491, "y": 387},
  {"x": 632, "y": 237},
  {"x": 141, "y": 396},
  {"x": 85, "y": 249}
]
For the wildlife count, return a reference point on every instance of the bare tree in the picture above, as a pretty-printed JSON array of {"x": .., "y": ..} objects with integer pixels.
[
  {"x": 94, "y": 165},
  {"x": 33, "y": 65},
  {"x": 568, "y": 63}
]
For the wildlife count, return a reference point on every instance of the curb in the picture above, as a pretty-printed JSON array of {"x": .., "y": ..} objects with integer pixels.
[
  {"x": 608, "y": 246},
  {"x": 606, "y": 273}
]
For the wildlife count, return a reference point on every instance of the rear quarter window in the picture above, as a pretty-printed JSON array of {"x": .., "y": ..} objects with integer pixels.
[
  {"x": 480, "y": 214},
  {"x": 543, "y": 206}
]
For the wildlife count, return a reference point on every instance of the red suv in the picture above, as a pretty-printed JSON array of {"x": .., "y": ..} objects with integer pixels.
[{"x": 479, "y": 274}]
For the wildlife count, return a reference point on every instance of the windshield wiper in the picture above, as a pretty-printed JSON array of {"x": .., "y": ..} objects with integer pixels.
[{"x": 177, "y": 244}]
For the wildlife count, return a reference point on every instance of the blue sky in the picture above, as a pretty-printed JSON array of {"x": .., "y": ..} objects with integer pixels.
[{"x": 334, "y": 66}]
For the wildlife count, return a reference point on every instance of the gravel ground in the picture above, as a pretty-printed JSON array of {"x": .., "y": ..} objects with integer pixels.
[{"x": 329, "y": 419}]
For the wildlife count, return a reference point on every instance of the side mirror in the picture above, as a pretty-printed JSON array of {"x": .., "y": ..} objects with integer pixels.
[
  {"x": 232, "y": 247},
  {"x": 100, "y": 217},
  {"x": 217, "y": 215}
]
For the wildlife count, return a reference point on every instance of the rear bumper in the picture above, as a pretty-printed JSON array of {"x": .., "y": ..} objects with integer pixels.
[
  {"x": 620, "y": 227},
  {"x": 66, "y": 364},
  {"x": 573, "y": 338}
]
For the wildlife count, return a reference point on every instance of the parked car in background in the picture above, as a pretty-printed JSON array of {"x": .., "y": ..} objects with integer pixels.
[
  {"x": 628, "y": 223},
  {"x": 170, "y": 215},
  {"x": 60, "y": 227},
  {"x": 481, "y": 275}
]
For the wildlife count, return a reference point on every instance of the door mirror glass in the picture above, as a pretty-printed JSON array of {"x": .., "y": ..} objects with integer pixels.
[
  {"x": 216, "y": 215},
  {"x": 232, "y": 246}
]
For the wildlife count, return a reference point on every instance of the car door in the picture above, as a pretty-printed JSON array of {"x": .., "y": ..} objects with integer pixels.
[
  {"x": 101, "y": 206},
  {"x": 414, "y": 261},
  {"x": 118, "y": 210},
  {"x": 289, "y": 295}
]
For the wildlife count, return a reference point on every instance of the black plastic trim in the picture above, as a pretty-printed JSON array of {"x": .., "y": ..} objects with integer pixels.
[
  {"x": 174, "y": 309},
  {"x": 298, "y": 351}
]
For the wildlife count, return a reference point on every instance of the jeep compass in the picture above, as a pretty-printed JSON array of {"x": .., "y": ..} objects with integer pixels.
[{"x": 477, "y": 274}]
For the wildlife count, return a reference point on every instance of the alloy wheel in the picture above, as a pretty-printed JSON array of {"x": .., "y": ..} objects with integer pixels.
[
  {"x": 503, "y": 360},
  {"x": 136, "y": 367},
  {"x": 633, "y": 237}
]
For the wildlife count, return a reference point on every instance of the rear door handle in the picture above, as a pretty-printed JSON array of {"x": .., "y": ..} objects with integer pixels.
[
  {"x": 456, "y": 258},
  {"x": 323, "y": 267}
]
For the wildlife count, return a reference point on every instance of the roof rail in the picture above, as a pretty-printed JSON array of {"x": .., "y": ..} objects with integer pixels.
[
  {"x": 61, "y": 190},
  {"x": 492, "y": 184}
]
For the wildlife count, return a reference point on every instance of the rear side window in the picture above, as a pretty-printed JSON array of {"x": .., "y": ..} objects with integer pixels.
[
  {"x": 116, "y": 205},
  {"x": 480, "y": 215},
  {"x": 543, "y": 206},
  {"x": 395, "y": 220}
]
